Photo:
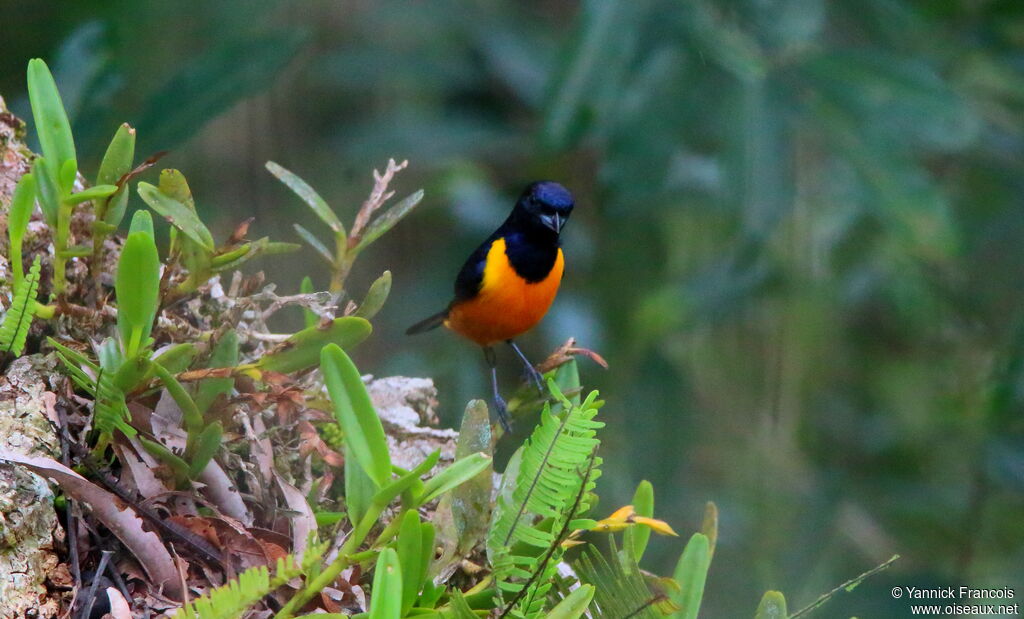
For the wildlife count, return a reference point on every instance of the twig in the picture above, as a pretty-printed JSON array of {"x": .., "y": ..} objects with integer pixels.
[
  {"x": 104, "y": 559},
  {"x": 378, "y": 196},
  {"x": 848, "y": 585},
  {"x": 196, "y": 543},
  {"x": 65, "y": 459}
]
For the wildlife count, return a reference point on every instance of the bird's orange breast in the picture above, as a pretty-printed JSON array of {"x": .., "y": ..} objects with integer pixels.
[{"x": 507, "y": 305}]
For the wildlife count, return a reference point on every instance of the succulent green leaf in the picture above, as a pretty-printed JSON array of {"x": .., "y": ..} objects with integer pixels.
[
  {"x": 205, "y": 447},
  {"x": 179, "y": 468},
  {"x": 772, "y": 606},
  {"x": 178, "y": 215},
  {"x": 359, "y": 488},
  {"x": 386, "y": 595},
  {"x": 224, "y": 355},
  {"x": 51, "y": 122},
  {"x": 137, "y": 285},
  {"x": 173, "y": 185},
  {"x": 375, "y": 296},
  {"x": 47, "y": 191},
  {"x": 66, "y": 178},
  {"x": 410, "y": 550},
  {"x": 388, "y": 220},
  {"x": 574, "y": 604},
  {"x": 99, "y": 192},
  {"x": 312, "y": 241},
  {"x": 302, "y": 350},
  {"x": 177, "y": 358},
  {"x": 364, "y": 434},
  {"x": 309, "y": 318},
  {"x": 635, "y": 538},
  {"x": 22, "y": 203},
  {"x": 691, "y": 573},
  {"x": 190, "y": 413},
  {"x": 142, "y": 221},
  {"x": 458, "y": 473},
  {"x": 117, "y": 162},
  {"x": 308, "y": 195},
  {"x": 394, "y": 488}
]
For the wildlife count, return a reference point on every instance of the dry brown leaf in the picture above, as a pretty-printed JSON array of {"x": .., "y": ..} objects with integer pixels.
[
  {"x": 114, "y": 514},
  {"x": 303, "y": 522}
]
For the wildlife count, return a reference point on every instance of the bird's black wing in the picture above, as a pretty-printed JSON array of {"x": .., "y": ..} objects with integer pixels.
[{"x": 471, "y": 276}]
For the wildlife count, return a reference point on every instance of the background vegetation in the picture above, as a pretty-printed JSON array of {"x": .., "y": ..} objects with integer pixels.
[{"x": 797, "y": 240}]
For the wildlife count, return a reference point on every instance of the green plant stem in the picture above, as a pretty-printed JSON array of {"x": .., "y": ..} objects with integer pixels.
[
  {"x": 345, "y": 558},
  {"x": 60, "y": 246},
  {"x": 342, "y": 264}
]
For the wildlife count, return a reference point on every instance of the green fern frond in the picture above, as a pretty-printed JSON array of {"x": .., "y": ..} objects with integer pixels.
[
  {"x": 18, "y": 319},
  {"x": 545, "y": 485},
  {"x": 110, "y": 411},
  {"x": 234, "y": 598},
  {"x": 620, "y": 587}
]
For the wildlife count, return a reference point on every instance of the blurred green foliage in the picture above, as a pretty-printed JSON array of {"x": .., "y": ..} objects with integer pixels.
[{"x": 798, "y": 238}]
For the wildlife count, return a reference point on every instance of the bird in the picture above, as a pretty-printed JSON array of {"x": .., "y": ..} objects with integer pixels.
[{"x": 508, "y": 283}]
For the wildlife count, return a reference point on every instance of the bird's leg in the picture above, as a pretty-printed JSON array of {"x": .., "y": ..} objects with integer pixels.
[
  {"x": 499, "y": 402},
  {"x": 531, "y": 371}
]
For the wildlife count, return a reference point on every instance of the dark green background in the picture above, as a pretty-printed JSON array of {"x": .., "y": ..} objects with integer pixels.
[{"x": 798, "y": 238}]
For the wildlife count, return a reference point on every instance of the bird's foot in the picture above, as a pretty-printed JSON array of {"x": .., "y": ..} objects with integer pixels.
[
  {"x": 535, "y": 377},
  {"x": 501, "y": 408}
]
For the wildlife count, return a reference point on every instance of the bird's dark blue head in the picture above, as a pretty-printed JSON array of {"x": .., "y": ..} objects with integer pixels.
[{"x": 546, "y": 204}]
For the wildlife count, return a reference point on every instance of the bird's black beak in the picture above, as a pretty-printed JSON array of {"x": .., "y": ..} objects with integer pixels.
[{"x": 553, "y": 221}]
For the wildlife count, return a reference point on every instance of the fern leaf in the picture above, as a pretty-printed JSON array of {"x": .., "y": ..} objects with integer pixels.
[
  {"x": 546, "y": 483},
  {"x": 621, "y": 590},
  {"x": 110, "y": 411},
  {"x": 18, "y": 319},
  {"x": 233, "y": 599}
]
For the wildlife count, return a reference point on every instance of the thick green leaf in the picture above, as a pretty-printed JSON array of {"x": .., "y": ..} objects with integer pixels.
[
  {"x": 177, "y": 358},
  {"x": 320, "y": 249},
  {"x": 177, "y": 214},
  {"x": 179, "y": 468},
  {"x": 691, "y": 573},
  {"x": 388, "y": 493},
  {"x": 174, "y": 185},
  {"x": 359, "y": 488},
  {"x": 51, "y": 122},
  {"x": 308, "y": 195},
  {"x": 635, "y": 538},
  {"x": 302, "y": 350},
  {"x": 193, "y": 419},
  {"x": 387, "y": 221},
  {"x": 574, "y": 604},
  {"x": 410, "y": 550},
  {"x": 375, "y": 297},
  {"x": 47, "y": 192},
  {"x": 205, "y": 447},
  {"x": 460, "y": 471},
  {"x": 309, "y": 318},
  {"x": 225, "y": 355},
  {"x": 772, "y": 606},
  {"x": 137, "y": 285},
  {"x": 22, "y": 203},
  {"x": 386, "y": 595},
  {"x": 364, "y": 434},
  {"x": 142, "y": 221},
  {"x": 99, "y": 192},
  {"x": 117, "y": 162}
]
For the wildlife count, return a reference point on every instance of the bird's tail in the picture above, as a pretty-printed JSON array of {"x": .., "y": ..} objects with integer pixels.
[{"x": 427, "y": 324}]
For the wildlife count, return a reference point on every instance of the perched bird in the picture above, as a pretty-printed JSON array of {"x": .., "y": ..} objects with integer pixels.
[{"x": 507, "y": 285}]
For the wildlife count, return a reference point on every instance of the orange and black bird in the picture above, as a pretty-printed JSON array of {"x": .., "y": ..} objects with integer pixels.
[{"x": 507, "y": 285}]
